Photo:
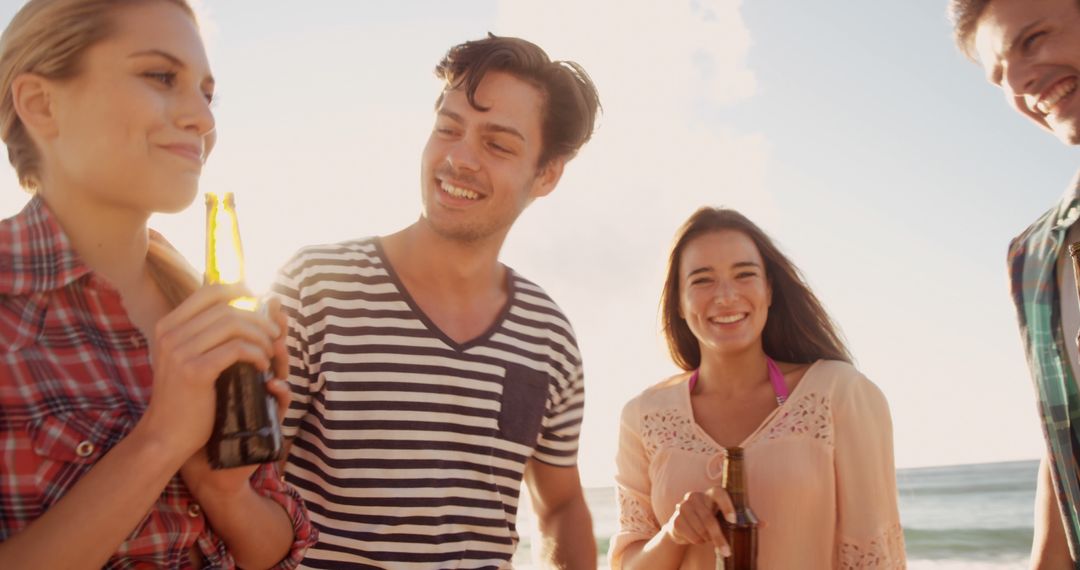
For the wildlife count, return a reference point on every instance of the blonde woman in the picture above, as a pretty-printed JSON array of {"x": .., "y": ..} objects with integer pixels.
[{"x": 108, "y": 349}]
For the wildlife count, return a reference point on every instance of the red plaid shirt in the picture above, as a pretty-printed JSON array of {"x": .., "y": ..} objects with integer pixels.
[{"x": 75, "y": 377}]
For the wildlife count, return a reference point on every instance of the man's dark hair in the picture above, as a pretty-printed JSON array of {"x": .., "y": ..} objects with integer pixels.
[
  {"x": 570, "y": 98},
  {"x": 964, "y": 15}
]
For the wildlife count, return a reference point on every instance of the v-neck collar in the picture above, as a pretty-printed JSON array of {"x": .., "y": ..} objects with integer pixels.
[
  {"x": 793, "y": 396},
  {"x": 511, "y": 294}
]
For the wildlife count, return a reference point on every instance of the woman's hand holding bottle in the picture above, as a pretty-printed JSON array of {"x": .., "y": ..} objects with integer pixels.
[
  {"x": 196, "y": 471},
  {"x": 191, "y": 346},
  {"x": 695, "y": 519}
]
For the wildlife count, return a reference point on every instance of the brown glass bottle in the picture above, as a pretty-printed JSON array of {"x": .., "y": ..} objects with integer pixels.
[
  {"x": 246, "y": 428},
  {"x": 742, "y": 534}
]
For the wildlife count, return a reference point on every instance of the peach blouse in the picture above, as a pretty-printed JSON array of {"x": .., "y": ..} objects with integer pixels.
[{"x": 819, "y": 473}]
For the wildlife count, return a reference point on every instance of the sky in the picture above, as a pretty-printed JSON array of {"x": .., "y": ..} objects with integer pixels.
[{"x": 854, "y": 133}]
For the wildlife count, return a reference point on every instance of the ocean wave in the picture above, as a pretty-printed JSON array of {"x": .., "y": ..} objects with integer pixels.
[
  {"x": 946, "y": 489},
  {"x": 968, "y": 543}
]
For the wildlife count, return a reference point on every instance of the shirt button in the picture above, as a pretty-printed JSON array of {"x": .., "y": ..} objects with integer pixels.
[
  {"x": 194, "y": 510},
  {"x": 84, "y": 449}
]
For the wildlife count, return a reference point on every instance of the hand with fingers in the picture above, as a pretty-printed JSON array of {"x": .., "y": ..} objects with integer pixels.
[
  {"x": 695, "y": 519},
  {"x": 196, "y": 471},
  {"x": 192, "y": 345}
]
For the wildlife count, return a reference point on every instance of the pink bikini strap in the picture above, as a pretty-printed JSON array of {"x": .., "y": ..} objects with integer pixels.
[{"x": 775, "y": 377}]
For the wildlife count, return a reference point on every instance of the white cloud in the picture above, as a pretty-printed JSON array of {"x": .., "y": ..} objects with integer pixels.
[
  {"x": 647, "y": 48},
  {"x": 652, "y": 160}
]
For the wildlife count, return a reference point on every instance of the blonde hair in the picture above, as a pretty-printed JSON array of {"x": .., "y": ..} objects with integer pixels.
[
  {"x": 174, "y": 276},
  {"x": 48, "y": 38}
]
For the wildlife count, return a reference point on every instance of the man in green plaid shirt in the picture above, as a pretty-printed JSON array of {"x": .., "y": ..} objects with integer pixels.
[{"x": 1031, "y": 50}]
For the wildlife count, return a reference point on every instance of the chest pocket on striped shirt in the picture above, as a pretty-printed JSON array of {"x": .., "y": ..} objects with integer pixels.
[{"x": 522, "y": 405}]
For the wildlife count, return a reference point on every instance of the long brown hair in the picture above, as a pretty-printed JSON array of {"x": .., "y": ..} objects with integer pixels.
[
  {"x": 797, "y": 328},
  {"x": 49, "y": 38}
]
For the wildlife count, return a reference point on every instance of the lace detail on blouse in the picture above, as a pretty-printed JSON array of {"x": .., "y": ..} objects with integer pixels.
[
  {"x": 809, "y": 416},
  {"x": 635, "y": 516},
  {"x": 671, "y": 428},
  {"x": 885, "y": 551}
]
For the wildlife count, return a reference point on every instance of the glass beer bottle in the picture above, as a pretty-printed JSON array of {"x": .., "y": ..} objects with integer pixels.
[
  {"x": 741, "y": 535},
  {"x": 246, "y": 429}
]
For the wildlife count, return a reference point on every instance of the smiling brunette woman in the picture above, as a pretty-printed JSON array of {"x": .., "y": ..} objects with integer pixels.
[
  {"x": 108, "y": 348},
  {"x": 765, "y": 371}
]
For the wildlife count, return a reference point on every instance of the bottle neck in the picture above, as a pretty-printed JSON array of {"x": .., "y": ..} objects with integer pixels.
[
  {"x": 738, "y": 499},
  {"x": 735, "y": 480},
  {"x": 224, "y": 253}
]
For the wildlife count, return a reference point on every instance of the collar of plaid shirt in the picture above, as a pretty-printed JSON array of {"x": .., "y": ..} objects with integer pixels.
[
  {"x": 36, "y": 256},
  {"x": 1033, "y": 260}
]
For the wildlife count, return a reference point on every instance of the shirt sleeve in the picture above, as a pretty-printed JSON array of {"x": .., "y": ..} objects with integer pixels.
[
  {"x": 637, "y": 521},
  {"x": 288, "y": 289},
  {"x": 561, "y": 426},
  {"x": 869, "y": 533},
  {"x": 267, "y": 481}
]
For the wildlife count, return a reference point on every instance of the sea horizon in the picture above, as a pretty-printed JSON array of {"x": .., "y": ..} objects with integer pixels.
[{"x": 967, "y": 516}]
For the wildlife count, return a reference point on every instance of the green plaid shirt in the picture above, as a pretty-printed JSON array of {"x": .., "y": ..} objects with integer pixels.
[{"x": 1033, "y": 260}]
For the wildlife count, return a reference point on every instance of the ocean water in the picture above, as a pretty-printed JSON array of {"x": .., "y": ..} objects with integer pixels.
[
  {"x": 966, "y": 517},
  {"x": 969, "y": 516}
]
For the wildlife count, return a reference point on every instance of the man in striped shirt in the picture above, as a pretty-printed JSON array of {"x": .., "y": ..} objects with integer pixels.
[
  {"x": 1031, "y": 49},
  {"x": 428, "y": 378}
]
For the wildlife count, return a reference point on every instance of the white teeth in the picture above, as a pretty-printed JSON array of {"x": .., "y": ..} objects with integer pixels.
[
  {"x": 459, "y": 192},
  {"x": 1046, "y": 104},
  {"x": 730, "y": 318}
]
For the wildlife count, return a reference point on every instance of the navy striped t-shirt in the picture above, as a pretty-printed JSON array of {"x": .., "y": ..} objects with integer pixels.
[{"x": 409, "y": 447}]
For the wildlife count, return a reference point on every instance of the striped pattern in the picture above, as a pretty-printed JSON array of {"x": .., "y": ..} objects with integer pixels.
[
  {"x": 410, "y": 448},
  {"x": 1033, "y": 261}
]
